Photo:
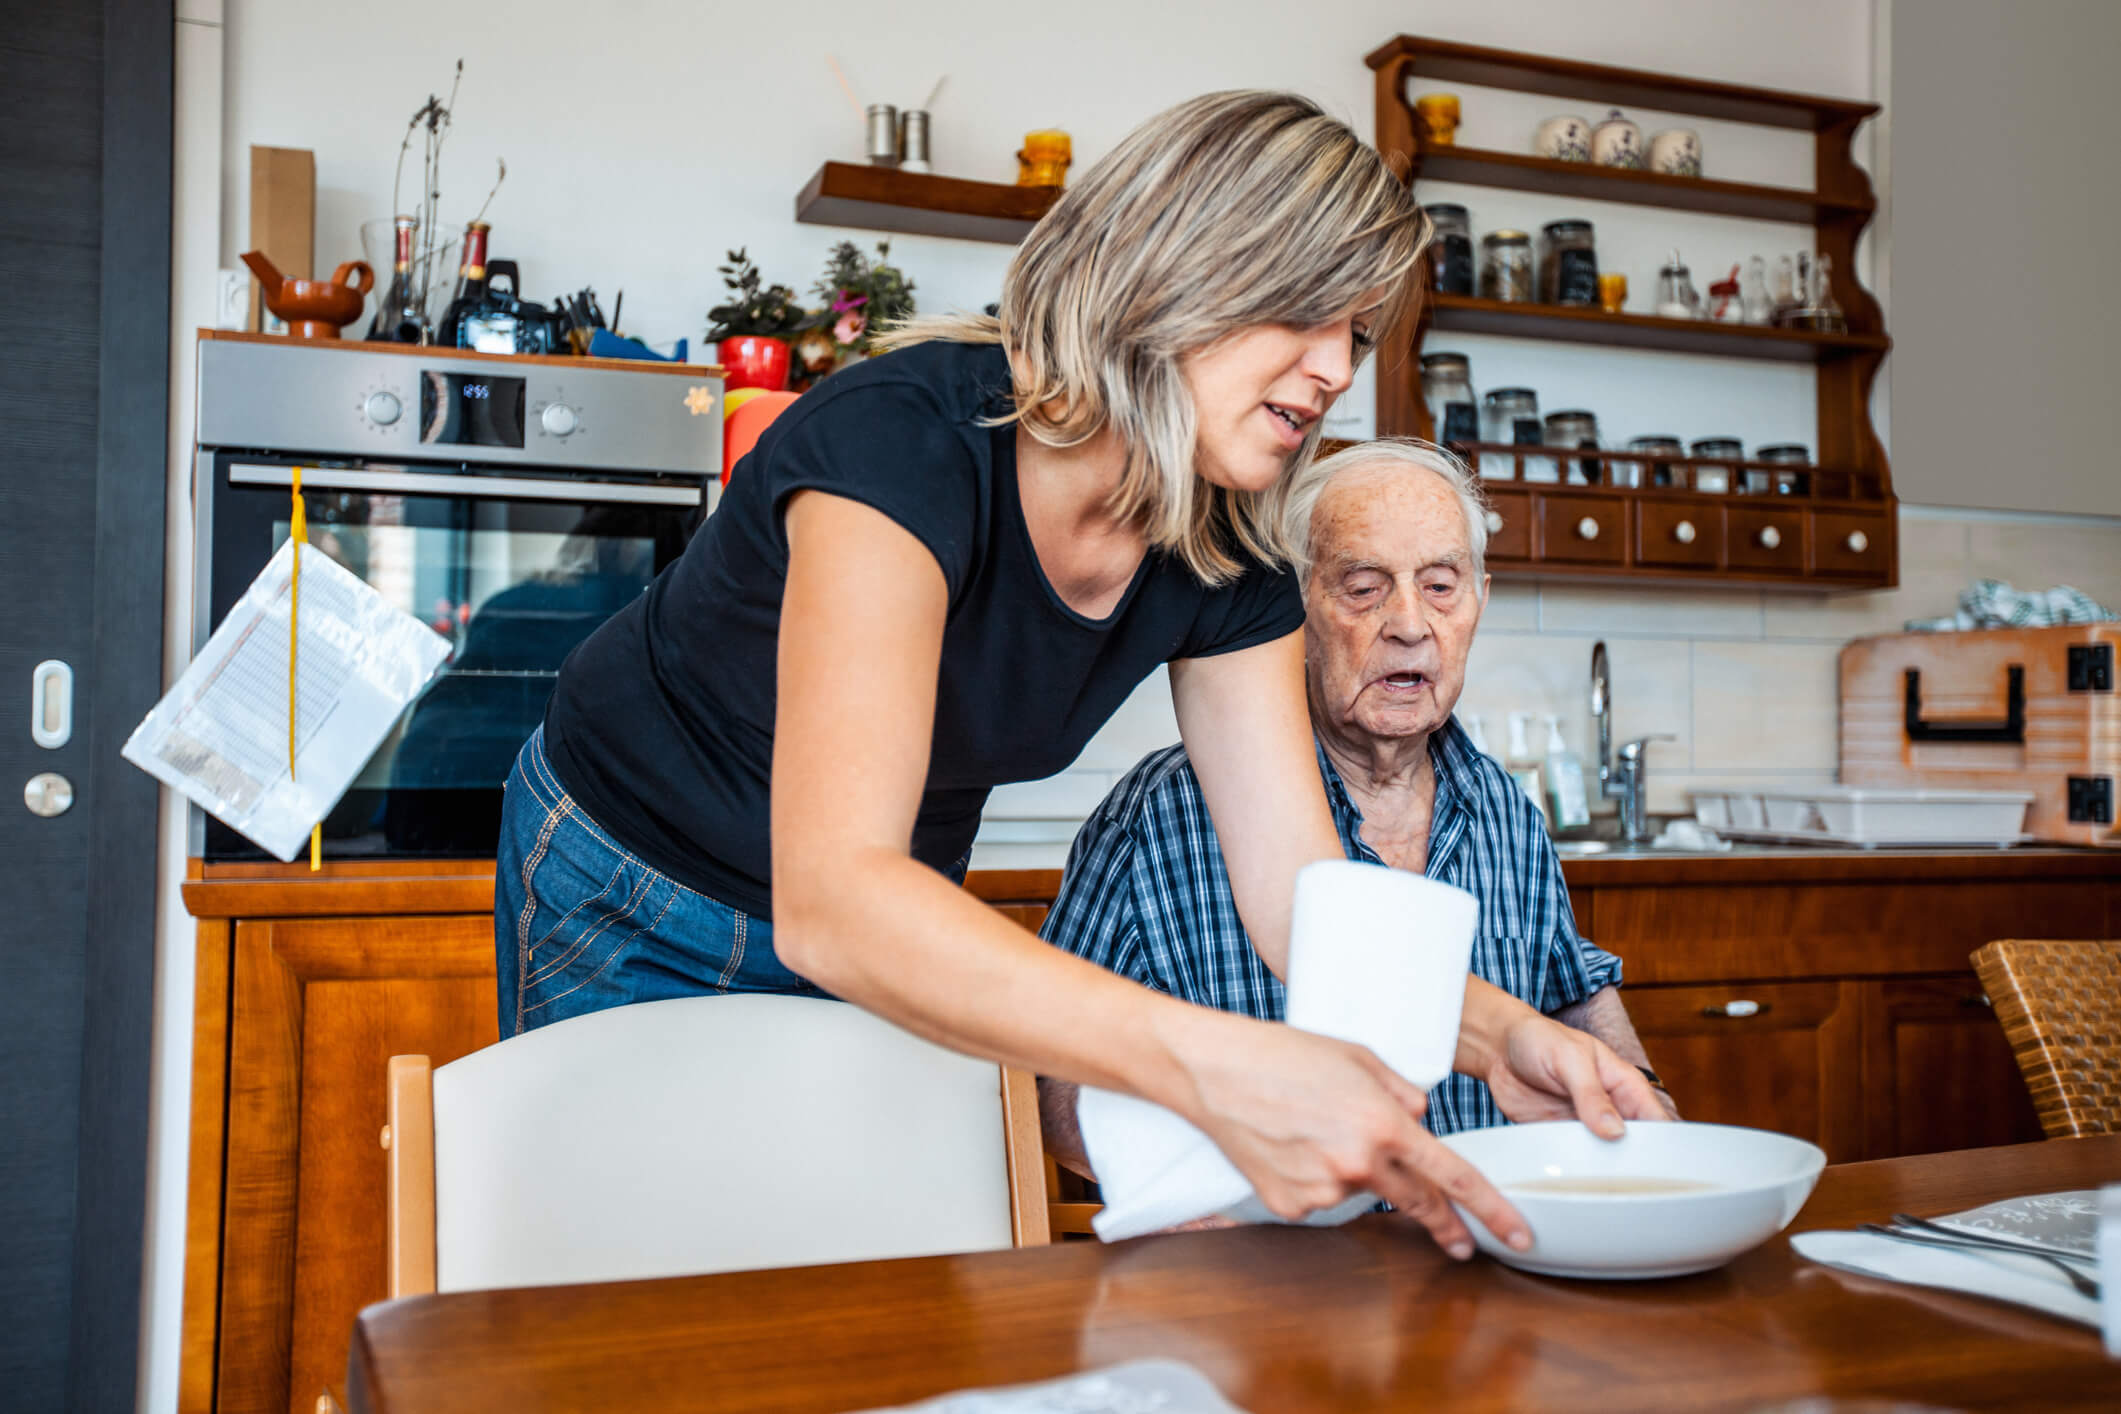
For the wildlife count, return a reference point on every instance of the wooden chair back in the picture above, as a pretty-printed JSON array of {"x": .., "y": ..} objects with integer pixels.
[
  {"x": 2060, "y": 1005},
  {"x": 615, "y": 1147}
]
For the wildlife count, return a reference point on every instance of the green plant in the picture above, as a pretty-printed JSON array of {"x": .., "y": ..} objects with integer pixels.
[
  {"x": 770, "y": 311},
  {"x": 862, "y": 297}
]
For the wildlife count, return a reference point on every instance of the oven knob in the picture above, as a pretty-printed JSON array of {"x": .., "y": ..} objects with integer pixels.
[
  {"x": 384, "y": 408},
  {"x": 558, "y": 419}
]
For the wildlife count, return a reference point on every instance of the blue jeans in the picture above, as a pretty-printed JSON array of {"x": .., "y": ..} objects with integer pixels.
[{"x": 581, "y": 923}]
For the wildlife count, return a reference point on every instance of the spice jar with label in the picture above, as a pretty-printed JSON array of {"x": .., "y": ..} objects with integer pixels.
[
  {"x": 1658, "y": 456},
  {"x": 1568, "y": 264},
  {"x": 1506, "y": 267},
  {"x": 1451, "y": 250},
  {"x": 1510, "y": 416},
  {"x": 1789, "y": 454},
  {"x": 1578, "y": 431},
  {"x": 1447, "y": 388},
  {"x": 1714, "y": 459}
]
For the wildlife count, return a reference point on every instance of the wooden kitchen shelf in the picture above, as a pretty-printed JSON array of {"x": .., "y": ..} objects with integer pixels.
[
  {"x": 1523, "y": 172},
  {"x": 1570, "y": 324},
  {"x": 920, "y": 204}
]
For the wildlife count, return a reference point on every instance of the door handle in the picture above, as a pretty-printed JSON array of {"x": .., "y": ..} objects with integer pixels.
[
  {"x": 2011, "y": 729},
  {"x": 51, "y": 704}
]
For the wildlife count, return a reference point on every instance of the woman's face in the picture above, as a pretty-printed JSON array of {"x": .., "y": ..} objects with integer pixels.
[{"x": 1257, "y": 392}]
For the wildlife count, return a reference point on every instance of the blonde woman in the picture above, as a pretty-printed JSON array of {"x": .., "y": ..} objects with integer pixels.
[{"x": 945, "y": 569}]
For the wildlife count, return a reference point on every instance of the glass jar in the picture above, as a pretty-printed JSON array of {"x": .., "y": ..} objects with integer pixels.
[
  {"x": 1715, "y": 469},
  {"x": 1447, "y": 387},
  {"x": 1451, "y": 250},
  {"x": 1506, "y": 267},
  {"x": 1510, "y": 416},
  {"x": 1657, "y": 466},
  {"x": 1568, "y": 264},
  {"x": 1790, "y": 454},
  {"x": 1676, "y": 296},
  {"x": 1577, "y": 430}
]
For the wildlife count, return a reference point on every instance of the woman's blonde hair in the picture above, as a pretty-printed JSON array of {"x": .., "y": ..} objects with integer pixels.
[{"x": 1228, "y": 212}]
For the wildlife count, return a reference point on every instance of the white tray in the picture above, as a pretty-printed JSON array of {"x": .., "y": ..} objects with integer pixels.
[{"x": 1864, "y": 817}]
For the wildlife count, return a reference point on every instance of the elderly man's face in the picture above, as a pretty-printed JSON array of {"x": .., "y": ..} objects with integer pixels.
[{"x": 1392, "y": 603}]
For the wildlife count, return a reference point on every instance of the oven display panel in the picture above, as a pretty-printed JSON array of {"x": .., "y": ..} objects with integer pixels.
[{"x": 471, "y": 410}]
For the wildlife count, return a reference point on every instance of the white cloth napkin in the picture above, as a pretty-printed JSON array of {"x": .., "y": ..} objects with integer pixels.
[
  {"x": 2001, "y": 1276},
  {"x": 1377, "y": 956}
]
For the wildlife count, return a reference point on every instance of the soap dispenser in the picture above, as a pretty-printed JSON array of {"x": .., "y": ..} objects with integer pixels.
[
  {"x": 1522, "y": 765},
  {"x": 1565, "y": 790}
]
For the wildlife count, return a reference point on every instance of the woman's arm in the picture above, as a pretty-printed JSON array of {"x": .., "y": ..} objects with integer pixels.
[{"x": 1307, "y": 1119}]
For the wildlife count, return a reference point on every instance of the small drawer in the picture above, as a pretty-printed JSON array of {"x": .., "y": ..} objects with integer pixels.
[
  {"x": 1854, "y": 546},
  {"x": 1586, "y": 530},
  {"x": 1765, "y": 539},
  {"x": 1509, "y": 525},
  {"x": 1684, "y": 535}
]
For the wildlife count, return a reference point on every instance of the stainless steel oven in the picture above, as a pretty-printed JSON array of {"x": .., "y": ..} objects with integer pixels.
[{"x": 512, "y": 504}]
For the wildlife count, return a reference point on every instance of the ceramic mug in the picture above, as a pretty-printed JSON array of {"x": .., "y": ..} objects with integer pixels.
[
  {"x": 1564, "y": 138},
  {"x": 1616, "y": 142},
  {"x": 1676, "y": 152}
]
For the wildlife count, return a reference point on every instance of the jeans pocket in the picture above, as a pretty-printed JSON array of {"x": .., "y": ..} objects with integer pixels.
[{"x": 585, "y": 901}]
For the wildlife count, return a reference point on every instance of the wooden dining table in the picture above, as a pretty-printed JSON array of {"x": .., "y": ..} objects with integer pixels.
[{"x": 1370, "y": 1316}]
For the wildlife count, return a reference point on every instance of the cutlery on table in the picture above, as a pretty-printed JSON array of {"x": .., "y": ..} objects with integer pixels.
[{"x": 1935, "y": 1235}]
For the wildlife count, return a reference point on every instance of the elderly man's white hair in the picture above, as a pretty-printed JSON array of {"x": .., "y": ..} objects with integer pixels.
[{"x": 1407, "y": 453}]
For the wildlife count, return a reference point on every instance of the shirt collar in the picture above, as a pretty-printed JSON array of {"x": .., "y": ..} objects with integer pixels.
[{"x": 1450, "y": 753}]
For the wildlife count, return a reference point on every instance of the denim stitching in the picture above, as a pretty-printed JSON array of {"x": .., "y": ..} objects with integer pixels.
[
  {"x": 610, "y": 958},
  {"x": 573, "y": 807},
  {"x": 618, "y": 871},
  {"x": 736, "y": 954},
  {"x": 530, "y": 908},
  {"x": 602, "y": 926}
]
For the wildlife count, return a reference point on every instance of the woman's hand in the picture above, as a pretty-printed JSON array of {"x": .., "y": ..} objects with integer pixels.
[
  {"x": 1545, "y": 1070},
  {"x": 1311, "y": 1121}
]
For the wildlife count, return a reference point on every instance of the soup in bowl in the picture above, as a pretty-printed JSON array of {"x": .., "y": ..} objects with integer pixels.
[{"x": 1666, "y": 1200}]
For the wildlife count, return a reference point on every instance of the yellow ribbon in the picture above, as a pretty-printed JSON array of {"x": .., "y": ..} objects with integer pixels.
[{"x": 298, "y": 531}]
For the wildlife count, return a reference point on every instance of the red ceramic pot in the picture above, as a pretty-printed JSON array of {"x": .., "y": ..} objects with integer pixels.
[{"x": 755, "y": 361}]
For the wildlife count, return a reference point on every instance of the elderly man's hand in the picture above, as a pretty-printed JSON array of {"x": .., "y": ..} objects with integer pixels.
[{"x": 1545, "y": 1070}]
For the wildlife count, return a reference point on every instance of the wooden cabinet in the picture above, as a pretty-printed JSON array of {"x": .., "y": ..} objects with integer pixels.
[
  {"x": 1584, "y": 530},
  {"x": 1937, "y": 1071},
  {"x": 1509, "y": 526},
  {"x": 1766, "y": 539},
  {"x": 1680, "y": 535}
]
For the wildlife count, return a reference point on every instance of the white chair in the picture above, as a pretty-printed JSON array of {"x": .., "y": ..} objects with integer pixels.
[{"x": 701, "y": 1135}]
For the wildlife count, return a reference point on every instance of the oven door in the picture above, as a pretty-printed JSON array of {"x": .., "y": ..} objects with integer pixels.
[{"x": 514, "y": 570}]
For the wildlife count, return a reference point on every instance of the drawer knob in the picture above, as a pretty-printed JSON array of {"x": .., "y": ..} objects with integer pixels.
[
  {"x": 1494, "y": 519},
  {"x": 1735, "y": 1009},
  {"x": 1587, "y": 528},
  {"x": 1857, "y": 542},
  {"x": 1684, "y": 532},
  {"x": 1769, "y": 537}
]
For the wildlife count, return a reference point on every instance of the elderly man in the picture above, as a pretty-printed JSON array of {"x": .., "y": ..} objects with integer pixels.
[{"x": 1394, "y": 583}]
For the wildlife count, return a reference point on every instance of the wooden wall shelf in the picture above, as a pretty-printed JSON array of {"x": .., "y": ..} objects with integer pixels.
[
  {"x": 1523, "y": 172},
  {"x": 920, "y": 204},
  {"x": 1467, "y": 315}
]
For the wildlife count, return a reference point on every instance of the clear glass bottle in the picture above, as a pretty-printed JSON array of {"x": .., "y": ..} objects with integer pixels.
[
  {"x": 1753, "y": 294},
  {"x": 1568, "y": 264},
  {"x": 1826, "y": 310},
  {"x": 1676, "y": 296},
  {"x": 1451, "y": 250},
  {"x": 1506, "y": 267},
  {"x": 1510, "y": 417},
  {"x": 1447, "y": 388}
]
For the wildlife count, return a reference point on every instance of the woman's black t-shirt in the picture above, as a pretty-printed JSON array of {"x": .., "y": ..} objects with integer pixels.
[{"x": 661, "y": 726}]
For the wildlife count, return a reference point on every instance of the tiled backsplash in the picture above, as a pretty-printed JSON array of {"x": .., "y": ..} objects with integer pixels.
[{"x": 1743, "y": 681}]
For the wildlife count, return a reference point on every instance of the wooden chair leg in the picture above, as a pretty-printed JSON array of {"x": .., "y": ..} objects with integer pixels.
[{"x": 409, "y": 1138}]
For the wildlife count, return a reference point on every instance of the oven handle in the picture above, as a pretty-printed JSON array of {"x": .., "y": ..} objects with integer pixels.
[{"x": 483, "y": 488}]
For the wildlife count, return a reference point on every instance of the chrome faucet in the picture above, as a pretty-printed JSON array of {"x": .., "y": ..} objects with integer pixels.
[{"x": 1626, "y": 781}]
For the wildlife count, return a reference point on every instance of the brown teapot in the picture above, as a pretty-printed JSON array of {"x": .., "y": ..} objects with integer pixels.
[{"x": 314, "y": 309}]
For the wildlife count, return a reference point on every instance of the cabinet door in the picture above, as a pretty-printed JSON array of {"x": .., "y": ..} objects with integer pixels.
[
  {"x": 1766, "y": 539},
  {"x": 1852, "y": 545},
  {"x": 1683, "y": 535},
  {"x": 1937, "y": 1070},
  {"x": 1583, "y": 530},
  {"x": 318, "y": 1008},
  {"x": 1509, "y": 525},
  {"x": 1781, "y": 1056}
]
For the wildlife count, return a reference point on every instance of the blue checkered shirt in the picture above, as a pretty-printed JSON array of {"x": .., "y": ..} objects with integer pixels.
[{"x": 1146, "y": 895}]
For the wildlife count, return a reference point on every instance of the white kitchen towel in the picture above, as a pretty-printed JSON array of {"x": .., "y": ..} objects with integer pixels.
[
  {"x": 1378, "y": 957},
  {"x": 1999, "y": 1276}
]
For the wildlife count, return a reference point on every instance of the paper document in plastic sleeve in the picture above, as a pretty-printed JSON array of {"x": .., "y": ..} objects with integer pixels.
[
  {"x": 219, "y": 737},
  {"x": 1377, "y": 957}
]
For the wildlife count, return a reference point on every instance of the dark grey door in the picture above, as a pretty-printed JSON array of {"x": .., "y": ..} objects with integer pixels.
[{"x": 85, "y": 114}]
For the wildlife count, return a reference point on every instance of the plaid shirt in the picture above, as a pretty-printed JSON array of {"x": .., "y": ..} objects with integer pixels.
[{"x": 1146, "y": 895}]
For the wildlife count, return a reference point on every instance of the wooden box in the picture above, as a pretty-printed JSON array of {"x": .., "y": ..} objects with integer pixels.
[{"x": 2001, "y": 709}]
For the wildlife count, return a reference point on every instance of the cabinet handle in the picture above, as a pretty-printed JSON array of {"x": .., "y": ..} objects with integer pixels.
[
  {"x": 1982, "y": 1001},
  {"x": 1739, "y": 1009},
  {"x": 1494, "y": 522},
  {"x": 1587, "y": 529},
  {"x": 1857, "y": 542},
  {"x": 1684, "y": 532},
  {"x": 1769, "y": 537}
]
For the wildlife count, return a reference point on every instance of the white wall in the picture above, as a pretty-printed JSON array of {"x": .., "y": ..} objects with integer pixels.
[{"x": 645, "y": 138}]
